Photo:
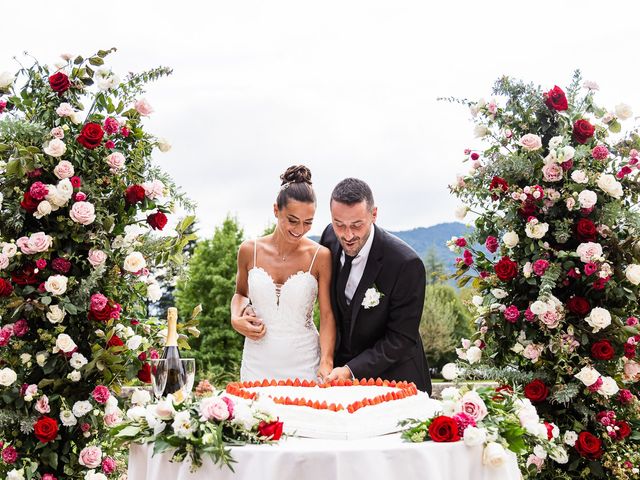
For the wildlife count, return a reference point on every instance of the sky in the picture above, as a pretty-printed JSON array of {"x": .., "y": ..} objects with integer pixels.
[{"x": 348, "y": 88}]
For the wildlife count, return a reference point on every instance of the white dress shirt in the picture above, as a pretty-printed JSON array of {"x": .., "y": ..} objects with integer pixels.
[{"x": 357, "y": 267}]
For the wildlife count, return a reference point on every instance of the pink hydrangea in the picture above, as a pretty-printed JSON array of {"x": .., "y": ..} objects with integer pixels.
[
  {"x": 38, "y": 191},
  {"x": 101, "y": 394},
  {"x": 111, "y": 125},
  {"x": 9, "y": 455}
]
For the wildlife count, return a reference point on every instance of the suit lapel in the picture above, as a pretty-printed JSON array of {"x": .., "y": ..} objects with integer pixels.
[{"x": 374, "y": 264}]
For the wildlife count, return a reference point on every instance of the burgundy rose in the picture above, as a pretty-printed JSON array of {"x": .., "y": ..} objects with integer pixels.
[
  {"x": 45, "y": 429},
  {"x": 134, "y": 194},
  {"x": 602, "y": 350},
  {"x": 528, "y": 209},
  {"x": 624, "y": 430},
  {"x": 20, "y": 328},
  {"x": 536, "y": 391},
  {"x": 444, "y": 429},
  {"x": 498, "y": 183},
  {"x": 144, "y": 374},
  {"x": 91, "y": 135},
  {"x": 589, "y": 446},
  {"x": 582, "y": 131},
  {"x": 586, "y": 230},
  {"x": 491, "y": 244},
  {"x": 61, "y": 265},
  {"x": 29, "y": 203},
  {"x": 556, "y": 99},
  {"x": 59, "y": 82},
  {"x": 506, "y": 269},
  {"x": 157, "y": 221},
  {"x": 578, "y": 305},
  {"x": 5, "y": 287},
  {"x": 25, "y": 275},
  {"x": 101, "y": 315},
  {"x": 271, "y": 430}
]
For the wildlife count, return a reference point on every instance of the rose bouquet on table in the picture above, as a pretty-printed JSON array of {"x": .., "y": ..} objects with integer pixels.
[
  {"x": 555, "y": 262},
  {"x": 193, "y": 429},
  {"x": 79, "y": 196},
  {"x": 499, "y": 420}
]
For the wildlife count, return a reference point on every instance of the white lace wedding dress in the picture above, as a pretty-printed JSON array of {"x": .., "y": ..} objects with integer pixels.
[{"x": 290, "y": 347}]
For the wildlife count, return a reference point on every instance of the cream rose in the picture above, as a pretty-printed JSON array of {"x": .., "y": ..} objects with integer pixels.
[
  {"x": 7, "y": 377},
  {"x": 474, "y": 354},
  {"x": 134, "y": 262},
  {"x": 154, "y": 292},
  {"x": 530, "y": 142},
  {"x": 610, "y": 185},
  {"x": 56, "y": 314},
  {"x": 609, "y": 387},
  {"x": 56, "y": 284},
  {"x": 6, "y": 79},
  {"x": 64, "y": 169},
  {"x": 632, "y": 272},
  {"x": 9, "y": 249},
  {"x": 598, "y": 319},
  {"x": 163, "y": 145},
  {"x": 494, "y": 455},
  {"x": 623, "y": 111},
  {"x": 55, "y": 148},
  {"x": 588, "y": 376},
  {"x": 535, "y": 229},
  {"x": 44, "y": 209},
  {"x": 510, "y": 239},
  {"x": 83, "y": 213},
  {"x": 65, "y": 343}
]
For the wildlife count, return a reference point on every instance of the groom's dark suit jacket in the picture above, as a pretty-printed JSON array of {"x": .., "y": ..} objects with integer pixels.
[{"x": 382, "y": 341}]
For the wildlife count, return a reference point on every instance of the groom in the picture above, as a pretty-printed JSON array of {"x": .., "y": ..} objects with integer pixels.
[{"x": 377, "y": 293}]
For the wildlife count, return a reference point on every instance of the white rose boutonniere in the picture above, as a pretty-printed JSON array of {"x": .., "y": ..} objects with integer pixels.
[{"x": 371, "y": 298}]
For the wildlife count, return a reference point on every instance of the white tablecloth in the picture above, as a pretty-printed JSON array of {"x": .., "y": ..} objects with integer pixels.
[{"x": 384, "y": 458}]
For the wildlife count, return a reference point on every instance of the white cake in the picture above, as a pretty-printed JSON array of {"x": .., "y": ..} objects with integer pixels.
[{"x": 364, "y": 409}]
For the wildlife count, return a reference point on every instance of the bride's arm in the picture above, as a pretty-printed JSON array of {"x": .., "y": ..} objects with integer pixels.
[
  {"x": 246, "y": 325},
  {"x": 327, "y": 320}
]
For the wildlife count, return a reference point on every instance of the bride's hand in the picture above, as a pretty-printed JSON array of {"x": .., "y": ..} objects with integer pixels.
[
  {"x": 250, "y": 326},
  {"x": 326, "y": 366}
]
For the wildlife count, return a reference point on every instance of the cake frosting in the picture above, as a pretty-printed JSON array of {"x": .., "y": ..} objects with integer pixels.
[{"x": 341, "y": 409}]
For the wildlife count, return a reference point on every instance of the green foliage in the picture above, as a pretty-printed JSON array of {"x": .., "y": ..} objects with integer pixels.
[
  {"x": 434, "y": 267},
  {"x": 210, "y": 281}
]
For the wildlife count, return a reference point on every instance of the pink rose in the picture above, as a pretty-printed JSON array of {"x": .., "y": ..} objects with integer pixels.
[
  {"x": 42, "y": 405},
  {"x": 474, "y": 406},
  {"x": 57, "y": 132},
  {"x": 153, "y": 189},
  {"x": 83, "y": 213},
  {"x": 230, "y": 406},
  {"x": 9, "y": 455},
  {"x": 213, "y": 408},
  {"x": 116, "y": 161},
  {"x": 96, "y": 257},
  {"x": 143, "y": 107},
  {"x": 108, "y": 465},
  {"x": 550, "y": 318},
  {"x": 632, "y": 321},
  {"x": 98, "y": 302},
  {"x": 65, "y": 110},
  {"x": 4, "y": 261},
  {"x": 64, "y": 169},
  {"x": 532, "y": 352},
  {"x": 491, "y": 243},
  {"x": 552, "y": 172},
  {"x": 631, "y": 371},
  {"x": 531, "y": 142},
  {"x": 101, "y": 394},
  {"x": 49, "y": 476},
  {"x": 540, "y": 266},
  {"x": 38, "y": 190},
  {"x": 5, "y": 336},
  {"x": 512, "y": 314},
  {"x": 37, "y": 243},
  {"x": 90, "y": 457},
  {"x": 112, "y": 419},
  {"x": 111, "y": 125}
]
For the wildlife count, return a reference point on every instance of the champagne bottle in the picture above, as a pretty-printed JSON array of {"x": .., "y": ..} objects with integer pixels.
[{"x": 171, "y": 355}]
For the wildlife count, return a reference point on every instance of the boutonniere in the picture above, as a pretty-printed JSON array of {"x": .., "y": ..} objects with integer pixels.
[{"x": 371, "y": 298}]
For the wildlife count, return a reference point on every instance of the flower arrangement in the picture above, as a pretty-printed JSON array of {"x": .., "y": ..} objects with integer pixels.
[
  {"x": 555, "y": 263},
  {"x": 79, "y": 196},
  {"x": 193, "y": 429}
]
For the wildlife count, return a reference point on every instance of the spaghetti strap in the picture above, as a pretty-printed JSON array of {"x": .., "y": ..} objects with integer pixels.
[
  {"x": 314, "y": 258},
  {"x": 255, "y": 251}
]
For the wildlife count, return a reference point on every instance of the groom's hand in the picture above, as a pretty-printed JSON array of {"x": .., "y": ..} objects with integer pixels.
[{"x": 339, "y": 373}]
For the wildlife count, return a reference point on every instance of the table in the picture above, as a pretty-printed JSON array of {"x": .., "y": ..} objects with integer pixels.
[{"x": 379, "y": 458}]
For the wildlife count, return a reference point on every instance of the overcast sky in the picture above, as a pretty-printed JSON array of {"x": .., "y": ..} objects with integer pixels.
[{"x": 347, "y": 88}]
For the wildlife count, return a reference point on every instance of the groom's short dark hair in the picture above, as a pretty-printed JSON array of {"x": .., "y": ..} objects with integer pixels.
[{"x": 351, "y": 191}]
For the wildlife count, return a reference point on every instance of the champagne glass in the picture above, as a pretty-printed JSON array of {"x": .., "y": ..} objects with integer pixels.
[
  {"x": 158, "y": 376},
  {"x": 189, "y": 371}
]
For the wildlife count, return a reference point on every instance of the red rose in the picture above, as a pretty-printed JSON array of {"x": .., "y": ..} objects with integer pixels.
[
  {"x": 115, "y": 341},
  {"x": 29, "y": 203},
  {"x": 624, "y": 430},
  {"x": 536, "y": 391},
  {"x": 134, "y": 194},
  {"x": 76, "y": 181},
  {"x": 272, "y": 430},
  {"x": 506, "y": 269},
  {"x": 157, "y": 221},
  {"x": 5, "y": 287},
  {"x": 144, "y": 374},
  {"x": 498, "y": 397},
  {"x": 45, "y": 429},
  {"x": 498, "y": 183},
  {"x": 578, "y": 305},
  {"x": 586, "y": 230},
  {"x": 582, "y": 131},
  {"x": 61, "y": 265},
  {"x": 91, "y": 135},
  {"x": 59, "y": 82},
  {"x": 444, "y": 429},
  {"x": 602, "y": 350},
  {"x": 491, "y": 244},
  {"x": 589, "y": 446},
  {"x": 556, "y": 99}
]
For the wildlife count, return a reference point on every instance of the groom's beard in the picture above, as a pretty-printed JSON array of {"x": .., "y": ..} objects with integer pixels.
[{"x": 355, "y": 248}]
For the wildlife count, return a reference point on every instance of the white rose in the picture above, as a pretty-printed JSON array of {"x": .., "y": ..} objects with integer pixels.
[
  {"x": 539, "y": 307},
  {"x": 510, "y": 239},
  {"x": 6, "y": 79},
  {"x": 44, "y": 208},
  {"x": 74, "y": 376},
  {"x": 530, "y": 142},
  {"x": 623, "y": 111},
  {"x": 588, "y": 376},
  {"x": 461, "y": 212},
  {"x": 598, "y": 319},
  {"x": 9, "y": 249},
  {"x": 555, "y": 142},
  {"x": 163, "y": 145},
  {"x": 65, "y": 189},
  {"x": 587, "y": 199},
  {"x": 41, "y": 358},
  {"x": 56, "y": 314},
  {"x": 474, "y": 436},
  {"x": 474, "y": 354},
  {"x": 65, "y": 343},
  {"x": 494, "y": 455},
  {"x": 579, "y": 176},
  {"x": 15, "y": 474},
  {"x": 539, "y": 452},
  {"x": 67, "y": 418},
  {"x": 570, "y": 438},
  {"x": 154, "y": 292},
  {"x": 7, "y": 377},
  {"x": 92, "y": 475},
  {"x": 25, "y": 358},
  {"x": 632, "y": 273},
  {"x": 499, "y": 293},
  {"x": 610, "y": 185},
  {"x": 56, "y": 284},
  {"x": 451, "y": 393},
  {"x": 55, "y": 147},
  {"x": 134, "y": 262},
  {"x": 609, "y": 387},
  {"x": 78, "y": 360},
  {"x": 81, "y": 408},
  {"x": 164, "y": 408},
  {"x": 134, "y": 342},
  {"x": 536, "y": 230},
  {"x": 566, "y": 153},
  {"x": 140, "y": 397},
  {"x": 559, "y": 455},
  {"x": 450, "y": 371}
]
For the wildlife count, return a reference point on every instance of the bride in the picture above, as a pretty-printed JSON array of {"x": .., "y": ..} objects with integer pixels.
[{"x": 278, "y": 280}]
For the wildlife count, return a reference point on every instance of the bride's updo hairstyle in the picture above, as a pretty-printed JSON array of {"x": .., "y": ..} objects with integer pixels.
[{"x": 296, "y": 185}]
